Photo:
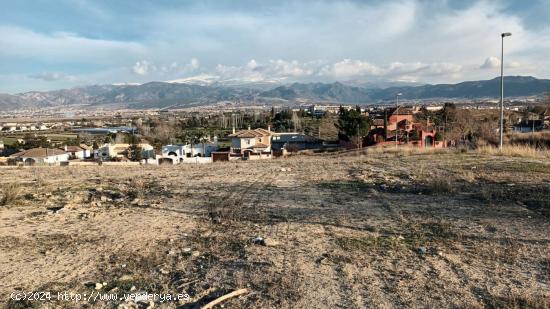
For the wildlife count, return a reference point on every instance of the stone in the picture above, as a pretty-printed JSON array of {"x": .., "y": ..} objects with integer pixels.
[
  {"x": 98, "y": 286},
  {"x": 195, "y": 253},
  {"x": 259, "y": 241}
]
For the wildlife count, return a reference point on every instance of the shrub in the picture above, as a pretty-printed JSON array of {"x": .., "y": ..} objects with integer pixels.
[{"x": 10, "y": 193}]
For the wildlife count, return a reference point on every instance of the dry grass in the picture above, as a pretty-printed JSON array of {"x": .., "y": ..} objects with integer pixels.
[
  {"x": 336, "y": 228},
  {"x": 406, "y": 150},
  {"x": 10, "y": 193},
  {"x": 515, "y": 151}
]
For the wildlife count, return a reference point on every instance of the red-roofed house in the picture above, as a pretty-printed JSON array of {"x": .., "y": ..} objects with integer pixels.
[
  {"x": 401, "y": 121},
  {"x": 251, "y": 141}
]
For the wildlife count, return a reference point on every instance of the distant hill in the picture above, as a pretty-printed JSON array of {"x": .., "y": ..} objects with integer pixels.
[
  {"x": 163, "y": 94},
  {"x": 514, "y": 86},
  {"x": 336, "y": 92}
]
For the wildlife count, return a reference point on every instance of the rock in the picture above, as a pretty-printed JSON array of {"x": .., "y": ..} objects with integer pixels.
[
  {"x": 195, "y": 253},
  {"x": 133, "y": 288},
  {"x": 171, "y": 252},
  {"x": 55, "y": 209},
  {"x": 259, "y": 241},
  {"x": 98, "y": 286},
  {"x": 164, "y": 271},
  {"x": 186, "y": 250},
  {"x": 422, "y": 250},
  {"x": 283, "y": 169},
  {"x": 89, "y": 284},
  {"x": 216, "y": 219}
]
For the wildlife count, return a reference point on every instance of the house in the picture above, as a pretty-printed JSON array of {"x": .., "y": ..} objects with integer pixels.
[
  {"x": 249, "y": 141},
  {"x": 191, "y": 150},
  {"x": 41, "y": 156},
  {"x": 294, "y": 142},
  {"x": 401, "y": 122},
  {"x": 78, "y": 152},
  {"x": 111, "y": 151}
]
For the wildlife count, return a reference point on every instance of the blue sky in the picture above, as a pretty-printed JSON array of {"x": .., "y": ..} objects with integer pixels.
[{"x": 53, "y": 44}]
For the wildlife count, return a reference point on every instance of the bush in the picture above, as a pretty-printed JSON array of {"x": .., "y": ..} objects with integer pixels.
[{"x": 10, "y": 193}]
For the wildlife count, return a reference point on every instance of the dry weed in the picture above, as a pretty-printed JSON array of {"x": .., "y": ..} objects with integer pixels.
[
  {"x": 10, "y": 193},
  {"x": 515, "y": 151}
]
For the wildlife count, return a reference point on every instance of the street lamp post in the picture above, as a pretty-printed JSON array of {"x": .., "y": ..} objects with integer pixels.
[
  {"x": 396, "y": 113},
  {"x": 503, "y": 35}
]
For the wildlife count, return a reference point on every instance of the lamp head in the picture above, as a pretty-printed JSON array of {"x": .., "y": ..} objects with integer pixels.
[
  {"x": 399, "y": 94},
  {"x": 505, "y": 34}
]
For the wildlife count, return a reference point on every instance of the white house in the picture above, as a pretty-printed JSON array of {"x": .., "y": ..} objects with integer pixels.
[
  {"x": 251, "y": 141},
  {"x": 41, "y": 156},
  {"x": 189, "y": 151},
  {"x": 78, "y": 152}
]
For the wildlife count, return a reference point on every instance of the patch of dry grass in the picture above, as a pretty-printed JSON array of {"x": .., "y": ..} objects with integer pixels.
[
  {"x": 406, "y": 150},
  {"x": 10, "y": 193},
  {"x": 515, "y": 151}
]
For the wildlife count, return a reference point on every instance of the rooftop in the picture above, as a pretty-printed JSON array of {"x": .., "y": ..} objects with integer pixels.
[{"x": 38, "y": 153}]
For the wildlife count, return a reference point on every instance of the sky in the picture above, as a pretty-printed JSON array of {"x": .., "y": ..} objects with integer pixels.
[{"x": 54, "y": 44}]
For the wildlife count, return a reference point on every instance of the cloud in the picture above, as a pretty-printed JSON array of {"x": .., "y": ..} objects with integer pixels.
[
  {"x": 490, "y": 63},
  {"x": 429, "y": 41},
  {"x": 347, "y": 69},
  {"x": 494, "y": 62},
  {"x": 143, "y": 67},
  {"x": 64, "y": 47}
]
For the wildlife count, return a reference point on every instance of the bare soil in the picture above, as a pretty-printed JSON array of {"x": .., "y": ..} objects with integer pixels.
[{"x": 450, "y": 230}]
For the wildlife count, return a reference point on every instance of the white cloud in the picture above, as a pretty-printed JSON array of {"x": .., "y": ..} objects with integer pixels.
[
  {"x": 490, "y": 63},
  {"x": 143, "y": 67},
  {"x": 348, "y": 69},
  {"x": 493, "y": 63},
  {"x": 428, "y": 41}
]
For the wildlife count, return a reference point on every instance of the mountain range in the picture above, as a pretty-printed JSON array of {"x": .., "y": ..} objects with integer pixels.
[{"x": 183, "y": 93}]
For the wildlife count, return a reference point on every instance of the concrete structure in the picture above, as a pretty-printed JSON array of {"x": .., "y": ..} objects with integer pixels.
[{"x": 41, "y": 156}]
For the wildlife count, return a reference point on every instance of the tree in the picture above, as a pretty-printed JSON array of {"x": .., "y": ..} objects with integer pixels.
[
  {"x": 135, "y": 153},
  {"x": 353, "y": 125}
]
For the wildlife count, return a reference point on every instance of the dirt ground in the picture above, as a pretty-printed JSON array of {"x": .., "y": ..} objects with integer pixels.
[{"x": 451, "y": 230}]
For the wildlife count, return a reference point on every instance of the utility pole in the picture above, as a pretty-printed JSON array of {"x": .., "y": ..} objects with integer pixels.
[{"x": 503, "y": 35}]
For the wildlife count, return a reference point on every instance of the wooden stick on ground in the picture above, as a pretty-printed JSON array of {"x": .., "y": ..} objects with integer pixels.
[{"x": 224, "y": 298}]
